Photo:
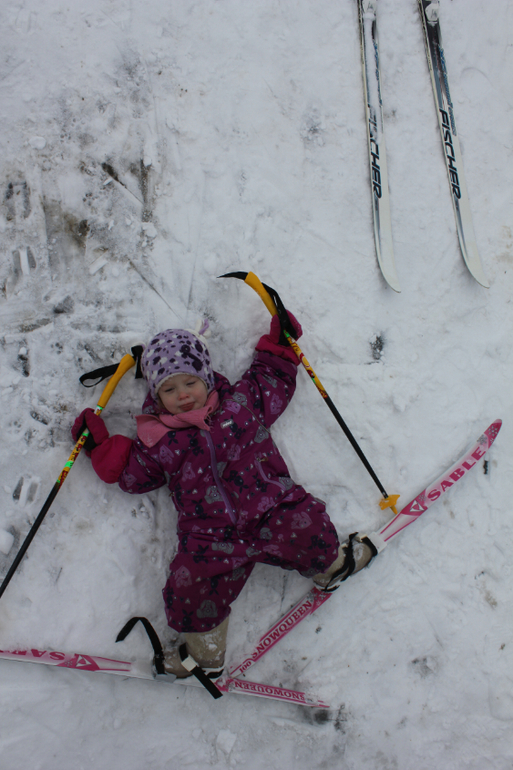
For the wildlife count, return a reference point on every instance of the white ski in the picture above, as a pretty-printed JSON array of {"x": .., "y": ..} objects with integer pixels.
[
  {"x": 376, "y": 142},
  {"x": 430, "y": 13}
]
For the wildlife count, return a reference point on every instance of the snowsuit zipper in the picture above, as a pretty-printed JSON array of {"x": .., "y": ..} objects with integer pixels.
[
  {"x": 280, "y": 484},
  {"x": 213, "y": 459}
]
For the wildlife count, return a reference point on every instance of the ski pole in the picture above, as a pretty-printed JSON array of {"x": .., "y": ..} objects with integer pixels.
[
  {"x": 275, "y": 306},
  {"x": 125, "y": 364}
]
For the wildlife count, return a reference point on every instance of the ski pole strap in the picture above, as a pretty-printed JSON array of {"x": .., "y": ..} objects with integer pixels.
[
  {"x": 190, "y": 664},
  {"x": 158, "y": 658},
  {"x": 90, "y": 379},
  {"x": 287, "y": 329},
  {"x": 271, "y": 300}
]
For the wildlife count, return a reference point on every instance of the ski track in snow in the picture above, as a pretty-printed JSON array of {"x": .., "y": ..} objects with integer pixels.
[{"x": 147, "y": 149}]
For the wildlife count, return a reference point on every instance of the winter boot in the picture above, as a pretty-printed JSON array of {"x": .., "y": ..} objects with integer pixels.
[
  {"x": 353, "y": 555},
  {"x": 206, "y": 649}
]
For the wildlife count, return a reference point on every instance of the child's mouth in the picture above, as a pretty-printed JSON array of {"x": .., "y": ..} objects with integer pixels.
[{"x": 187, "y": 407}]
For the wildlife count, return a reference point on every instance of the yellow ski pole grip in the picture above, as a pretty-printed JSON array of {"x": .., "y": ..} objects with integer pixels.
[
  {"x": 256, "y": 284},
  {"x": 125, "y": 364}
]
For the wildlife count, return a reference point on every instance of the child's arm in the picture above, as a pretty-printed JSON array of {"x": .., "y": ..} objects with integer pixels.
[
  {"x": 270, "y": 382},
  {"x": 141, "y": 473}
]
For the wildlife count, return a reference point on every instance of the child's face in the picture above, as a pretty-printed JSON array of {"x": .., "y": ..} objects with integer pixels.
[{"x": 183, "y": 393}]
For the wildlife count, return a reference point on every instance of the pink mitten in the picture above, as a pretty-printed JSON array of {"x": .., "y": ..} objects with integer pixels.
[
  {"x": 98, "y": 433},
  {"x": 110, "y": 458},
  {"x": 271, "y": 342}
]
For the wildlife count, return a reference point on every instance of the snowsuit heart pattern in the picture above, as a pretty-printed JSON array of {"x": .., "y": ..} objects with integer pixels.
[{"x": 236, "y": 502}]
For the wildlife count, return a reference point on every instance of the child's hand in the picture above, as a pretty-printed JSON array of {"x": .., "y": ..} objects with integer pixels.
[
  {"x": 98, "y": 433},
  {"x": 271, "y": 342},
  {"x": 275, "y": 330}
]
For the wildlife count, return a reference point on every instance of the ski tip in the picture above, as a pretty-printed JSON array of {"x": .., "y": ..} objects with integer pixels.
[
  {"x": 479, "y": 276},
  {"x": 388, "y": 272},
  {"x": 385, "y": 255},
  {"x": 472, "y": 260},
  {"x": 391, "y": 279},
  {"x": 492, "y": 431}
]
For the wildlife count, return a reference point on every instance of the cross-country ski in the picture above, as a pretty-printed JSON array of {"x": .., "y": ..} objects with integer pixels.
[
  {"x": 380, "y": 196},
  {"x": 430, "y": 14},
  {"x": 144, "y": 669}
]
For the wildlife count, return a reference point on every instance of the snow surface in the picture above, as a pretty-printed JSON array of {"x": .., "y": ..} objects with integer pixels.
[{"x": 147, "y": 148}]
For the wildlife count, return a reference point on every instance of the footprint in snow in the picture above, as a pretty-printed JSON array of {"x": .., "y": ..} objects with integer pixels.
[
  {"x": 17, "y": 201},
  {"x": 22, "y": 363},
  {"x": 18, "y": 209},
  {"x": 25, "y": 491}
]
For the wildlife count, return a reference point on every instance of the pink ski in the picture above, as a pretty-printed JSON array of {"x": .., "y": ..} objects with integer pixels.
[
  {"x": 305, "y": 606},
  {"x": 243, "y": 687},
  {"x": 410, "y": 513},
  {"x": 71, "y": 660},
  {"x": 428, "y": 496},
  {"x": 142, "y": 669}
]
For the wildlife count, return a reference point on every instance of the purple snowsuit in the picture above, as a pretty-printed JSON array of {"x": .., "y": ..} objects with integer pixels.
[{"x": 236, "y": 502}]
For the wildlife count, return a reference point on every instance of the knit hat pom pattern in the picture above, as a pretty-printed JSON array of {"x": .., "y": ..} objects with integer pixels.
[{"x": 176, "y": 351}]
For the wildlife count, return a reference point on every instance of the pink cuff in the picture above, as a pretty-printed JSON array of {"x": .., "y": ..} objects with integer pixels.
[{"x": 109, "y": 459}]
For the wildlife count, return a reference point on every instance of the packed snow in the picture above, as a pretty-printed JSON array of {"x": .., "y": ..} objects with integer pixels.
[{"x": 146, "y": 149}]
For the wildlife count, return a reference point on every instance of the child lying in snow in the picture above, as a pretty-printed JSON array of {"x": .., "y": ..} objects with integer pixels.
[{"x": 237, "y": 505}]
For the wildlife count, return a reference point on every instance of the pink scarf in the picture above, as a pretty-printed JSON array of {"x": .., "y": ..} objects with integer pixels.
[{"x": 151, "y": 427}]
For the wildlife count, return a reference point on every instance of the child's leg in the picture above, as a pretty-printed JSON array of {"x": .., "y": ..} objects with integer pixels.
[
  {"x": 205, "y": 579},
  {"x": 298, "y": 536},
  {"x": 203, "y": 582},
  {"x": 302, "y": 537}
]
